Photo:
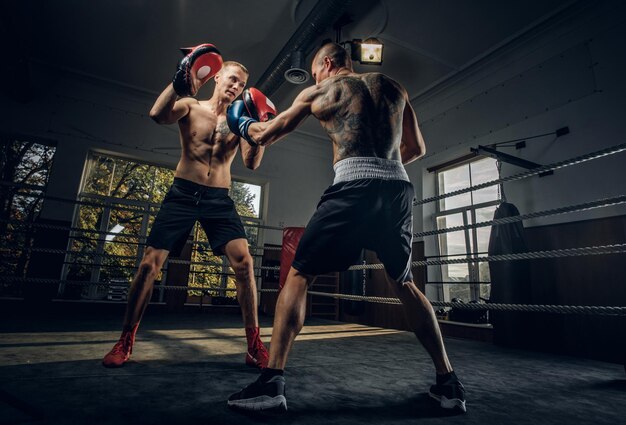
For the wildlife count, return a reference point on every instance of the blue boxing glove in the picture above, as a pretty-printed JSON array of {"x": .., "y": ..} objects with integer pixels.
[
  {"x": 239, "y": 120},
  {"x": 254, "y": 107}
]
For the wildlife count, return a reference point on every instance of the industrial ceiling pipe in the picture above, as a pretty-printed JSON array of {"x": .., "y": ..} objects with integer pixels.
[{"x": 323, "y": 15}]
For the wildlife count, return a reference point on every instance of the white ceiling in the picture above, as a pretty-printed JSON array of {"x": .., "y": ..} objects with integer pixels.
[{"x": 135, "y": 42}]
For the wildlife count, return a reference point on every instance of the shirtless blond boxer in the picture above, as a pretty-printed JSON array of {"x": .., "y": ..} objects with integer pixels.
[{"x": 199, "y": 192}]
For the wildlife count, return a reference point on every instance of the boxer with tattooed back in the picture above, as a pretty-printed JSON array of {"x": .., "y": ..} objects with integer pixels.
[{"x": 374, "y": 131}]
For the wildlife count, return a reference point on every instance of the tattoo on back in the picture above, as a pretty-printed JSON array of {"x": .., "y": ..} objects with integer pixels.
[{"x": 363, "y": 115}]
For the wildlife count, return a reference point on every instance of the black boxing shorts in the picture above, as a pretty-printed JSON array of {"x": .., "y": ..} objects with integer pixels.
[
  {"x": 187, "y": 202},
  {"x": 368, "y": 206}
]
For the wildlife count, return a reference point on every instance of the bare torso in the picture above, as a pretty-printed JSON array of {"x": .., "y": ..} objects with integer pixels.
[
  {"x": 208, "y": 147},
  {"x": 362, "y": 114}
]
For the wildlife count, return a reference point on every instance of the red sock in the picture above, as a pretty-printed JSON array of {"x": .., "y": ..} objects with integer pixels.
[
  {"x": 252, "y": 334},
  {"x": 132, "y": 330}
]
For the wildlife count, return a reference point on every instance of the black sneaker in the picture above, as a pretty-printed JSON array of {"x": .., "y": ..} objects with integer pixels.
[
  {"x": 260, "y": 395},
  {"x": 450, "y": 394}
]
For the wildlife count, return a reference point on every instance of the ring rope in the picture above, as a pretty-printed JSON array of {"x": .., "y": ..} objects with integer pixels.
[
  {"x": 532, "y": 255},
  {"x": 550, "y": 167},
  {"x": 546, "y": 308},
  {"x": 506, "y": 220},
  {"x": 82, "y": 238},
  {"x": 126, "y": 257},
  {"x": 122, "y": 282},
  {"x": 565, "y": 309},
  {"x": 105, "y": 232},
  {"x": 557, "y": 253},
  {"x": 141, "y": 208}
]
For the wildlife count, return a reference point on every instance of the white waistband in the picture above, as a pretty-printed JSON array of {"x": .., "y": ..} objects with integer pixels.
[{"x": 359, "y": 167}]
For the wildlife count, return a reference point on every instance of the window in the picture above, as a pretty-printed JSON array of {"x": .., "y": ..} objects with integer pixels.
[
  {"x": 466, "y": 281},
  {"x": 25, "y": 167},
  {"x": 116, "y": 207},
  {"x": 118, "y": 202}
]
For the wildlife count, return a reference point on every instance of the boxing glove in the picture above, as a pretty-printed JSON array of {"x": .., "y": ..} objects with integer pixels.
[
  {"x": 254, "y": 107},
  {"x": 201, "y": 62}
]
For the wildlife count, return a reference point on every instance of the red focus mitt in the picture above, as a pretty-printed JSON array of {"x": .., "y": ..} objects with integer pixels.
[
  {"x": 258, "y": 105},
  {"x": 199, "y": 64}
]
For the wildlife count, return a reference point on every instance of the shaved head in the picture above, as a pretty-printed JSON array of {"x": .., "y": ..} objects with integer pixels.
[{"x": 337, "y": 54}]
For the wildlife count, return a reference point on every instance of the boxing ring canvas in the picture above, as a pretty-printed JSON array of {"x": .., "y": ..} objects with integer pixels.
[{"x": 187, "y": 363}]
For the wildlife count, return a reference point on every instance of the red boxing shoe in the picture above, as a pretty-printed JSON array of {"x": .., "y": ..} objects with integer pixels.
[{"x": 121, "y": 351}]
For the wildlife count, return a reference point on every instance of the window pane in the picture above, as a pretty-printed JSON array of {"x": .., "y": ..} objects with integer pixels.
[
  {"x": 121, "y": 241},
  {"x": 22, "y": 163},
  {"x": 84, "y": 244},
  {"x": 483, "y": 171},
  {"x": 252, "y": 232},
  {"x": 483, "y": 233},
  {"x": 134, "y": 192},
  {"x": 204, "y": 276},
  {"x": 162, "y": 182},
  {"x": 458, "y": 292},
  {"x": 24, "y": 207},
  {"x": 452, "y": 245},
  {"x": 247, "y": 198},
  {"x": 132, "y": 180},
  {"x": 99, "y": 178},
  {"x": 450, "y": 181},
  {"x": 35, "y": 163},
  {"x": 484, "y": 276}
]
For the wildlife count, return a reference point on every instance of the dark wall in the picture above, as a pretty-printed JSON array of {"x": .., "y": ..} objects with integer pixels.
[
  {"x": 46, "y": 265},
  {"x": 589, "y": 280}
]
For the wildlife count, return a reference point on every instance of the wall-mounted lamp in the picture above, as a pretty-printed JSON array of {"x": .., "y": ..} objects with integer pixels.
[{"x": 368, "y": 51}]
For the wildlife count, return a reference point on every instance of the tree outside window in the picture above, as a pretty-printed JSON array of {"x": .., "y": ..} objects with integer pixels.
[
  {"x": 25, "y": 169},
  {"x": 118, "y": 202}
]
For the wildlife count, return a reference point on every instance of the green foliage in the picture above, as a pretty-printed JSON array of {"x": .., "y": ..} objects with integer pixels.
[
  {"x": 243, "y": 198},
  {"x": 116, "y": 192},
  {"x": 134, "y": 192},
  {"x": 24, "y": 171}
]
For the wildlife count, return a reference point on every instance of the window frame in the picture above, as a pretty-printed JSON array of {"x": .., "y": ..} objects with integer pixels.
[
  {"x": 20, "y": 253},
  {"x": 468, "y": 213},
  {"x": 148, "y": 209}
]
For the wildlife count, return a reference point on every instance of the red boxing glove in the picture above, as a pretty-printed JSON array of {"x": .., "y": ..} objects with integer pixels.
[
  {"x": 200, "y": 63},
  {"x": 258, "y": 105}
]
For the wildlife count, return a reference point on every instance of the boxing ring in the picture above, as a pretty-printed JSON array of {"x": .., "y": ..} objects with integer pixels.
[
  {"x": 186, "y": 363},
  {"x": 255, "y": 250}
]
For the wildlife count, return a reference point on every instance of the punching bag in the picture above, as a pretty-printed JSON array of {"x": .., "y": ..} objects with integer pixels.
[
  {"x": 510, "y": 280},
  {"x": 291, "y": 239}
]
